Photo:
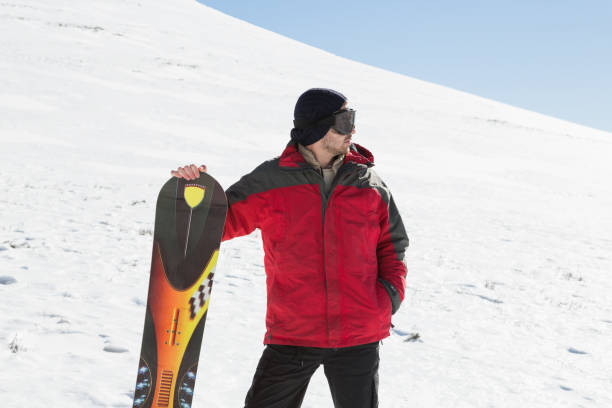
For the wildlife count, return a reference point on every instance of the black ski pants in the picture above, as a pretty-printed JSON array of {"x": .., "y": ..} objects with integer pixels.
[{"x": 284, "y": 372}]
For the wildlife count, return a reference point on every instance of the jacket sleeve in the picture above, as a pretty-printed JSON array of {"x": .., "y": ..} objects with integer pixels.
[
  {"x": 392, "y": 244},
  {"x": 243, "y": 214}
]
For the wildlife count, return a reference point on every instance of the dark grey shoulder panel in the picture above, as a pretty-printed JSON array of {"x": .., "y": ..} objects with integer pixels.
[
  {"x": 268, "y": 176},
  {"x": 361, "y": 176}
]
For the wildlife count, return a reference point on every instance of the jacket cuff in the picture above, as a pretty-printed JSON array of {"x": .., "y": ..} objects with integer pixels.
[{"x": 394, "y": 295}]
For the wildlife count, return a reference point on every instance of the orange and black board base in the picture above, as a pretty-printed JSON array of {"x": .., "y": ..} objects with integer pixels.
[{"x": 189, "y": 220}]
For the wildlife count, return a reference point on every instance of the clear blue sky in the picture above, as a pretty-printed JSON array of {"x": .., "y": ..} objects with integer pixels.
[{"x": 549, "y": 56}]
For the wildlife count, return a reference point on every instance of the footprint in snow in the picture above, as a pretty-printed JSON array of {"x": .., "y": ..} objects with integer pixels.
[
  {"x": 575, "y": 351},
  {"x": 407, "y": 336},
  {"x": 413, "y": 338},
  {"x": 139, "y": 301},
  {"x": 22, "y": 243},
  {"x": 488, "y": 299},
  {"x": 115, "y": 349},
  {"x": 7, "y": 280}
]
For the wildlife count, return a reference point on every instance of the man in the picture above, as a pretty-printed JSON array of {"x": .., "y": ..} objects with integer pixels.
[{"x": 334, "y": 245}]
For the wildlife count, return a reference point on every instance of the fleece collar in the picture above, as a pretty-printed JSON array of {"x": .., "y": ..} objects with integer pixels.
[{"x": 312, "y": 160}]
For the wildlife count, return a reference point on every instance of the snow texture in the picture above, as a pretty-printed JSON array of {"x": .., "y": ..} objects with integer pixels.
[{"x": 508, "y": 299}]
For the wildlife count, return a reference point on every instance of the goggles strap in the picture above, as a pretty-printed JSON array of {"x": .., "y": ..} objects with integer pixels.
[{"x": 304, "y": 124}]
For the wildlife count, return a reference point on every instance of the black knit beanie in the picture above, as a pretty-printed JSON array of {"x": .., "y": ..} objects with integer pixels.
[{"x": 313, "y": 105}]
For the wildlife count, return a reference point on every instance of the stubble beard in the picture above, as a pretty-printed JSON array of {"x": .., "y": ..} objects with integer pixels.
[{"x": 329, "y": 147}]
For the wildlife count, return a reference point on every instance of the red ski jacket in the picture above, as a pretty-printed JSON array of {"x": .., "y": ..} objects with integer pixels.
[{"x": 334, "y": 263}]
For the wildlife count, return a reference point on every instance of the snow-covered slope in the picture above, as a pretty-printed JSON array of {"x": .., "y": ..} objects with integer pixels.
[{"x": 508, "y": 211}]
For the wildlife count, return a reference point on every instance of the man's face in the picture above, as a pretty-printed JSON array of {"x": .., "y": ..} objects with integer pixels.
[{"x": 336, "y": 143}]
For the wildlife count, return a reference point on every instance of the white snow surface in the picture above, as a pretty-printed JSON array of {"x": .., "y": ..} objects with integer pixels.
[{"x": 508, "y": 211}]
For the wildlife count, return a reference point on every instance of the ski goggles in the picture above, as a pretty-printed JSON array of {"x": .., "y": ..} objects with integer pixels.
[{"x": 342, "y": 121}]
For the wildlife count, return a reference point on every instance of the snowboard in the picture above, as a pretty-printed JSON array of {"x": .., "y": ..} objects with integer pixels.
[{"x": 189, "y": 221}]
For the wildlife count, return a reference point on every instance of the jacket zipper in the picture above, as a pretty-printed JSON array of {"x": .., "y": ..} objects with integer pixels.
[{"x": 325, "y": 198}]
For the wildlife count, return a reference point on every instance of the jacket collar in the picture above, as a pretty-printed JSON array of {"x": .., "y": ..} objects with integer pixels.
[
  {"x": 291, "y": 156},
  {"x": 360, "y": 155}
]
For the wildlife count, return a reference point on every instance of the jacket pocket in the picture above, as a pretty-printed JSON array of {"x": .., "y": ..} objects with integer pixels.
[
  {"x": 393, "y": 294},
  {"x": 384, "y": 305}
]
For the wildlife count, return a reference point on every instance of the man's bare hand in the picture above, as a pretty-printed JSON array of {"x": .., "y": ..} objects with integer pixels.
[{"x": 189, "y": 172}]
